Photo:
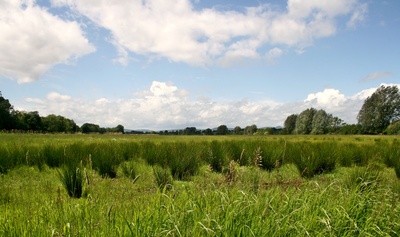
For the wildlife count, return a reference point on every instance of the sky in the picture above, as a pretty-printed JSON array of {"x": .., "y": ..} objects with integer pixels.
[{"x": 157, "y": 64}]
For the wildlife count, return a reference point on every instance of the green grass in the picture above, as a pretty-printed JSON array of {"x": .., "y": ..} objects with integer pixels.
[{"x": 358, "y": 196}]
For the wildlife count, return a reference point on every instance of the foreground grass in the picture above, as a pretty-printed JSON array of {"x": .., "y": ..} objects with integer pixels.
[
  {"x": 257, "y": 203},
  {"x": 223, "y": 186}
]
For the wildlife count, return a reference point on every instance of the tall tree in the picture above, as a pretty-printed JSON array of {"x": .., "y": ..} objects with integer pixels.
[
  {"x": 237, "y": 130},
  {"x": 320, "y": 122},
  {"x": 304, "y": 121},
  {"x": 250, "y": 130},
  {"x": 222, "y": 130},
  {"x": 6, "y": 109},
  {"x": 290, "y": 124},
  {"x": 380, "y": 109}
]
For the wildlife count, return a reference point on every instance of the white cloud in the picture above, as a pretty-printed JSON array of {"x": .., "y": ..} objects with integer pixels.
[
  {"x": 327, "y": 98},
  {"x": 358, "y": 15},
  {"x": 375, "y": 76},
  {"x": 176, "y": 31},
  {"x": 32, "y": 40},
  {"x": 273, "y": 54},
  {"x": 165, "y": 106}
]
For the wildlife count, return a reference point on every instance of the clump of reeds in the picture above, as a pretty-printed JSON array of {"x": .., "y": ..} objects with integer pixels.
[
  {"x": 73, "y": 179},
  {"x": 315, "y": 158},
  {"x": 163, "y": 178}
]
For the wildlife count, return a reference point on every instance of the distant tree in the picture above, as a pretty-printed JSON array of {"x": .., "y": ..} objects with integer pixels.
[
  {"x": 207, "y": 131},
  {"x": 6, "y": 109},
  {"x": 304, "y": 121},
  {"x": 91, "y": 128},
  {"x": 222, "y": 130},
  {"x": 27, "y": 120},
  {"x": 120, "y": 128},
  {"x": 350, "y": 129},
  {"x": 237, "y": 130},
  {"x": 190, "y": 131},
  {"x": 320, "y": 122},
  {"x": 335, "y": 124},
  {"x": 290, "y": 124},
  {"x": 379, "y": 110},
  {"x": 58, "y": 124},
  {"x": 250, "y": 130}
]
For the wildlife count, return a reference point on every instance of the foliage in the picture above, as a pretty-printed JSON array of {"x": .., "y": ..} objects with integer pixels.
[
  {"x": 222, "y": 130},
  {"x": 304, "y": 121},
  {"x": 290, "y": 124},
  {"x": 320, "y": 122},
  {"x": 57, "y": 124},
  {"x": 250, "y": 130},
  {"x": 380, "y": 109},
  {"x": 5, "y": 113},
  {"x": 393, "y": 128}
]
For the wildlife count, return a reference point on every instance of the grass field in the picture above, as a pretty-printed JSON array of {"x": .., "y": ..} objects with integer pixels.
[{"x": 149, "y": 185}]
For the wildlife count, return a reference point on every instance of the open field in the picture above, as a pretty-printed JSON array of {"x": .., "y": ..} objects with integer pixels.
[{"x": 199, "y": 185}]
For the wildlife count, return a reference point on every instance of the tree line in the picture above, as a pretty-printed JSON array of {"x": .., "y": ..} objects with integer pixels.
[
  {"x": 380, "y": 114},
  {"x": 22, "y": 121}
]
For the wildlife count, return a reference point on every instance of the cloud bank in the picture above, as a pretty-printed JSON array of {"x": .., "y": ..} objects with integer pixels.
[
  {"x": 176, "y": 31},
  {"x": 34, "y": 40},
  {"x": 165, "y": 106}
]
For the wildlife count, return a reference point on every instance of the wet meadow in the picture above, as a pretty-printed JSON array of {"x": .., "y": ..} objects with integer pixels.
[{"x": 152, "y": 185}]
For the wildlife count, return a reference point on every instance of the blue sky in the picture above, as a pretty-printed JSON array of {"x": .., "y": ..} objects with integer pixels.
[{"x": 160, "y": 64}]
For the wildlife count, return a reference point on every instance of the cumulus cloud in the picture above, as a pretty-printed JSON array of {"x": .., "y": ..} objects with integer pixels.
[
  {"x": 165, "y": 106},
  {"x": 176, "y": 31},
  {"x": 375, "y": 76},
  {"x": 33, "y": 40}
]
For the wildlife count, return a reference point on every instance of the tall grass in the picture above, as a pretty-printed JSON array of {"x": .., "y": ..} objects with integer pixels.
[
  {"x": 315, "y": 158},
  {"x": 73, "y": 180}
]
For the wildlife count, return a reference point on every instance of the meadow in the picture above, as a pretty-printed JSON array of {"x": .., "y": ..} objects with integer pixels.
[{"x": 150, "y": 185}]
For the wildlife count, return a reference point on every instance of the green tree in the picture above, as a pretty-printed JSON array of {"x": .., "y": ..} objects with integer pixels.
[
  {"x": 320, "y": 122},
  {"x": 222, "y": 130},
  {"x": 379, "y": 110},
  {"x": 250, "y": 130},
  {"x": 121, "y": 128},
  {"x": 190, "y": 131},
  {"x": 335, "y": 124},
  {"x": 393, "y": 128},
  {"x": 27, "y": 120},
  {"x": 6, "y": 109},
  {"x": 208, "y": 131},
  {"x": 237, "y": 130},
  {"x": 90, "y": 128},
  {"x": 304, "y": 121},
  {"x": 290, "y": 124},
  {"x": 58, "y": 124}
]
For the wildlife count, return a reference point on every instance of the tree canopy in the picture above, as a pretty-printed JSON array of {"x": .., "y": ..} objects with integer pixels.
[{"x": 379, "y": 110}]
